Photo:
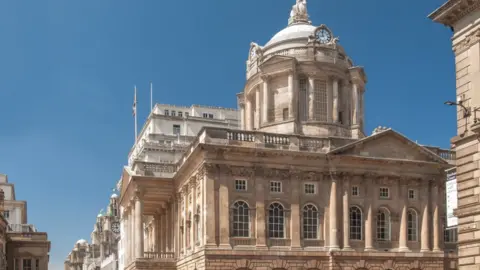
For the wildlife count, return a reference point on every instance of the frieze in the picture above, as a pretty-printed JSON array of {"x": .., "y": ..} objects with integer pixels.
[
  {"x": 240, "y": 171},
  {"x": 467, "y": 42}
]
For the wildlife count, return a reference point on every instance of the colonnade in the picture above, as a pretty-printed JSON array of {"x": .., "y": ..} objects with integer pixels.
[{"x": 257, "y": 101}]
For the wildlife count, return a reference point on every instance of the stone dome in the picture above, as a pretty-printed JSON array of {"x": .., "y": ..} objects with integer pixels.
[
  {"x": 292, "y": 32},
  {"x": 114, "y": 196},
  {"x": 82, "y": 242}
]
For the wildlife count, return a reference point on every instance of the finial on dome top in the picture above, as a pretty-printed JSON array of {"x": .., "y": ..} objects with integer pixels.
[{"x": 299, "y": 13}]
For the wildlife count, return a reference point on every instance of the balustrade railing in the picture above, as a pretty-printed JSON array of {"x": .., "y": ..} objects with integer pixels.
[{"x": 158, "y": 255}]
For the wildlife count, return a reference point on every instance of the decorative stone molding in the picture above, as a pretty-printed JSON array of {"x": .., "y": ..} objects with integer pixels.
[
  {"x": 243, "y": 264},
  {"x": 315, "y": 264},
  {"x": 278, "y": 264},
  {"x": 193, "y": 182},
  {"x": 415, "y": 265},
  {"x": 240, "y": 171},
  {"x": 361, "y": 265},
  {"x": 265, "y": 77},
  {"x": 467, "y": 42},
  {"x": 390, "y": 264}
]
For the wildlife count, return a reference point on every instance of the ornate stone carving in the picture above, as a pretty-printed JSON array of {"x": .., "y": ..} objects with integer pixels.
[
  {"x": 467, "y": 42},
  {"x": 299, "y": 12},
  {"x": 315, "y": 264},
  {"x": 255, "y": 51},
  {"x": 240, "y": 171},
  {"x": 361, "y": 265},
  {"x": 276, "y": 174},
  {"x": 279, "y": 264}
]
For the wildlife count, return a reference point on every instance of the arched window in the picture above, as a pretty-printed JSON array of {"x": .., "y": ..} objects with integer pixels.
[
  {"x": 276, "y": 221},
  {"x": 412, "y": 225},
  {"x": 241, "y": 219},
  {"x": 355, "y": 223},
  {"x": 383, "y": 225},
  {"x": 310, "y": 222}
]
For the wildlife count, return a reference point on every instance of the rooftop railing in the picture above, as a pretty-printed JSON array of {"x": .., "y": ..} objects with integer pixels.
[{"x": 21, "y": 228}]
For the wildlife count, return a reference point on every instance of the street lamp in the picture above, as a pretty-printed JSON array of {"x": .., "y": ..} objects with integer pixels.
[{"x": 466, "y": 111}]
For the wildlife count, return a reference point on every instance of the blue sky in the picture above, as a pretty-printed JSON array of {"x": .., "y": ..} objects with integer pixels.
[{"x": 68, "y": 68}]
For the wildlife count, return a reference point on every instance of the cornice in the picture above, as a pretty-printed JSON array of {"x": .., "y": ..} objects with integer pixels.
[
  {"x": 453, "y": 11},
  {"x": 467, "y": 42}
]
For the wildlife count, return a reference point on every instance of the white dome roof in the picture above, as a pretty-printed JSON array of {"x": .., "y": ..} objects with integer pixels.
[
  {"x": 82, "y": 242},
  {"x": 294, "y": 31},
  {"x": 114, "y": 196}
]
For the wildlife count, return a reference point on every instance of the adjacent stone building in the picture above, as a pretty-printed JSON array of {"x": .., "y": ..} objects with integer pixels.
[
  {"x": 102, "y": 253},
  {"x": 299, "y": 185},
  {"x": 22, "y": 246},
  {"x": 463, "y": 17}
]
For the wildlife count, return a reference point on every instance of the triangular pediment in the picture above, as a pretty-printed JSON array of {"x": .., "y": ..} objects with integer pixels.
[
  {"x": 389, "y": 145},
  {"x": 276, "y": 59}
]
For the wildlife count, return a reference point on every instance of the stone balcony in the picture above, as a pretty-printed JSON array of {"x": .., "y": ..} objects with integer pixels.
[
  {"x": 154, "y": 260},
  {"x": 21, "y": 228}
]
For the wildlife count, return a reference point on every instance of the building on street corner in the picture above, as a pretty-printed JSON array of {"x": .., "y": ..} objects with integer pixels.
[
  {"x": 22, "y": 246},
  {"x": 298, "y": 185},
  {"x": 463, "y": 17}
]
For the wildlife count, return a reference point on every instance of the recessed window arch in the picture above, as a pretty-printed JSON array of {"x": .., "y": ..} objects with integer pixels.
[
  {"x": 412, "y": 225},
  {"x": 383, "y": 224},
  {"x": 241, "y": 219},
  {"x": 356, "y": 223},
  {"x": 310, "y": 222},
  {"x": 276, "y": 220}
]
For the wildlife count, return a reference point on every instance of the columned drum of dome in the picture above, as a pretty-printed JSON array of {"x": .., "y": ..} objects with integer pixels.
[{"x": 303, "y": 82}]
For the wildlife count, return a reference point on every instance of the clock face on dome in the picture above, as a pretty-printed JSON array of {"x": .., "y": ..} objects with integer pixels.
[
  {"x": 115, "y": 227},
  {"x": 324, "y": 36}
]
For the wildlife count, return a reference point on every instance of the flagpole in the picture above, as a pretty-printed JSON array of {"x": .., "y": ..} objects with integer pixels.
[
  {"x": 135, "y": 112},
  {"x": 151, "y": 96}
]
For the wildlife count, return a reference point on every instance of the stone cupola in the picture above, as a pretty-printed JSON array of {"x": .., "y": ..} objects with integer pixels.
[{"x": 302, "y": 82}]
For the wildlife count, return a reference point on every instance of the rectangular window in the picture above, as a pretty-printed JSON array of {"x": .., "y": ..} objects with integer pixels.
[
  {"x": 450, "y": 235},
  {"x": 340, "y": 117},
  {"x": 166, "y": 113},
  {"x": 27, "y": 264},
  {"x": 174, "y": 113},
  {"x": 384, "y": 193},
  {"x": 275, "y": 186},
  {"x": 6, "y": 214},
  {"x": 355, "y": 191},
  {"x": 210, "y": 116},
  {"x": 411, "y": 194},
  {"x": 37, "y": 264},
  {"x": 205, "y": 115},
  {"x": 180, "y": 114},
  {"x": 309, "y": 188},
  {"x": 176, "y": 129},
  {"x": 321, "y": 100},
  {"x": 187, "y": 114},
  {"x": 240, "y": 185},
  {"x": 285, "y": 114}
]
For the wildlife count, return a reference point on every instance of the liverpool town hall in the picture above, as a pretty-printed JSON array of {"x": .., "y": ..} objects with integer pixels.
[{"x": 299, "y": 185}]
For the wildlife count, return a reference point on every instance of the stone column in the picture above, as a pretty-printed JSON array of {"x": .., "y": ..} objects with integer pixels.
[
  {"x": 209, "y": 190},
  {"x": 248, "y": 113},
  {"x": 295, "y": 213},
  {"x": 402, "y": 243},
  {"x": 346, "y": 214},
  {"x": 168, "y": 227},
  {"x": 333, "y": 215},
  {"x": 369, "y": 227},
  {"x": 436, "y": 219},
  {"x": 335, "y": 100},
  {"x": 138, "y": 226},
  {"x": 260, "y": 212},
  {"x": 242, "y": 116},
  {"x": 265, "y": 100},
  {"x": 156, "y": 223},
  {"x": 425, "y": 228},
  {"x": 186, "y": 225},
  {"x": 125, "y": 236},
  {"x": 311, "y": 98},
  {"x": 224, "y": 214},
  {"x": 291, "y": 89},
  {"x": 132, "y": 242},
  {"x": 193, "y": 238},
  {"x": 257, "y": 107},
  {"x": 163, "y": 230},
  {"x": 355, "y": 104}
]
